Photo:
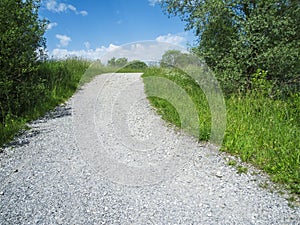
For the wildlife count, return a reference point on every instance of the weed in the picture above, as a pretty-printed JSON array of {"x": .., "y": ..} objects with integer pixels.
[
  {"x": 232, "y": 163},
  {"x": 242, "y": 169},
  {"x": 52, "y": 84}
]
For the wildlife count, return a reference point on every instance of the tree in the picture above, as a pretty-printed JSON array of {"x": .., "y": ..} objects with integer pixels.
[
  {"x": 170, "y": 58},
  {"x": 120, "y": 62},
  {"x": 136, "y": 65},
  {"x": 112, "y": 62},
  {"x": 238, "y": 37},
  {"x": 21, "y": 47},
  {"x": 175, "y": 58}
]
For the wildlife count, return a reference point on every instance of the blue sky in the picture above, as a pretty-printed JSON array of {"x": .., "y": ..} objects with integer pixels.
[{"x": 90, "y": 28}]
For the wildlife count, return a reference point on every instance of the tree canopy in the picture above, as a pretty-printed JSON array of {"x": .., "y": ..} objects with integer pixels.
[
  {"x": 238, "y": 37},
  {"x": 21, "y": 47},
  {"x": 120, "y": 62},
  {"x": 176, "y": 58}
]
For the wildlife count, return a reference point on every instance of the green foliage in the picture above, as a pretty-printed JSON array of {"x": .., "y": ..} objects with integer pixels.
[
  {"x": 113, "y": 62},
  {"x": 95, "y": 68},
  {"x": 170, "y": 58},
  {"x": 58, "y": 80},
  {"x": 61, "y": 77},
  {"x": 261, "y": 129},
  {"x": 260, "y": 84},
  {"x": 175, "y": 58},
  {"x": 232, "y": 163},
  {"x": 133, "y": 66},
  {"x": 21, "y": 46},
  {"x": 136, "y": 64},
  {"x": 10, "y": 127},
  {"x": 236, "y": 38},
  {"x": 266, "y": 132},
  {"x": 122, "y": 65},
  {"x": 168, "y": 111},
  {"x": 242, "y": 169}
]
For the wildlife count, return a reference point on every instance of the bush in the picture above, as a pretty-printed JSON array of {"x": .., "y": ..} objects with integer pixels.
[
  {"x": 21, "y": 47},
  {"x": 57, "y": 81}
]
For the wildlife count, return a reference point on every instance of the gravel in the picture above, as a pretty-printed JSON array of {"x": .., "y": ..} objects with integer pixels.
[{"x": 106, "y": 157}]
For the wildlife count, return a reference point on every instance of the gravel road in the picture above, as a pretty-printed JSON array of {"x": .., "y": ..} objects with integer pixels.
[{"x": 106, "y": 157}]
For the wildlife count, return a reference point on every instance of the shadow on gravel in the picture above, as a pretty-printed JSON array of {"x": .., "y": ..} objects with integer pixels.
[
  {"x": 32, "y": 129},
  {"x": 58, "y": 112}
]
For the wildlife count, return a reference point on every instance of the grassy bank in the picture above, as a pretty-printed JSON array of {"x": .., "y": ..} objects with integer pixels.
[
  {"x": 260, "y": 130},
  {"x": 50, "y": 85}
]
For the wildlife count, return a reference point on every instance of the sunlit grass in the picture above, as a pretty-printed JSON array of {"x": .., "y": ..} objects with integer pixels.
[
  {"x": 55, "y": 82},
  {"x": 266, "y": 132},
  {"x": 260, "y": 130}
]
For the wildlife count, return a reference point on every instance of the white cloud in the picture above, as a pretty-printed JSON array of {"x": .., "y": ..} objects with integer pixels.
[
  {"x": 51, "y": 25},
  {"x": 54, "y": 6},
  {"x": 153, "y": 2},
  {"x": 112, "y": 47},
  {"x": 148, "y": 51},
  {"x": 93, "y": 54},
  {"x": 71, "y": 7},
  {"x": 51, "y": 5},
  {"x": 175, "y": 39},
  {"x": 83, "y": 13},
  {"x": 64, "y": 40}
]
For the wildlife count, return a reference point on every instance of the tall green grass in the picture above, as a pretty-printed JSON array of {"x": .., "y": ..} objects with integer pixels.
[
  {"x": 167, "y": 110},
  {"x": 52, "y": 83},
  {"x": 261, "y": 130},
  {"x": 266, "y": 132}
]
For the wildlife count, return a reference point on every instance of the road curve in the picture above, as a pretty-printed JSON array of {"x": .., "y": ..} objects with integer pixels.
[{"x": 106, "y": 157}]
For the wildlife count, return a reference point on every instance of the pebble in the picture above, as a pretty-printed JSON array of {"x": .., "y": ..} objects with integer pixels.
[{"x": 190, "y": 195}]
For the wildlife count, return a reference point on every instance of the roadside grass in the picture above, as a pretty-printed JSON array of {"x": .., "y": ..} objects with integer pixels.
[
  {"x": 169, "y": 112},
  {"x": 94, "y": 69},
  {"x": 260, "y": 130},
  {"x": 53, "y": 83},
  {"x": 130, "y": 70},
  {"x": 266, "y": 132}
]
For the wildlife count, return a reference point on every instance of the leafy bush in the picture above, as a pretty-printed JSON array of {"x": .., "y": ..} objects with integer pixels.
[
  {"x": 21, "y": 47},
  {"x": 134, "y": 66},
  {"x": 58, "y": 80},
  {"x": 236, "y": 38}
]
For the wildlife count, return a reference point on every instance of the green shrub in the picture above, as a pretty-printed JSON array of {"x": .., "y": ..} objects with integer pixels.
[
  {"x": 21, "y": 47},
  {"x": 57, "y": 81}
]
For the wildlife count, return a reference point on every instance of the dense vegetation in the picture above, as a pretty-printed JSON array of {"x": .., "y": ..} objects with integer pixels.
[
  {"x": 260, "y": 130},
  {"x": 21, "y": 36},
  {"x": 29, "y": 85},
  {"x": 253, "y": 49},
  {"x": 238, "y": 37},
  {"x": 55, "y": 82}
]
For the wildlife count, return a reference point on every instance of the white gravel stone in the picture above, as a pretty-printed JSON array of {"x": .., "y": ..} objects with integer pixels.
[{"x": 105, "y": 157}]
